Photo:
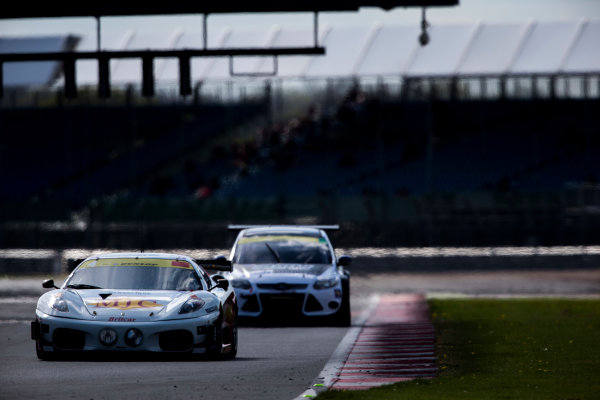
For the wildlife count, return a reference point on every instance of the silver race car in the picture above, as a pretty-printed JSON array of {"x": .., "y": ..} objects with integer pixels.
[
  {"x": 289, "y": 273},
  {"x": 136, "y": 302}
]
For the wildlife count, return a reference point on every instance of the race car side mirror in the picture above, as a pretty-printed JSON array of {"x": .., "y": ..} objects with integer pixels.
[
  {"x": 345, "y": 261},
  {"x": 49, "y": 284},
  {"x": 223, "y": 284}
]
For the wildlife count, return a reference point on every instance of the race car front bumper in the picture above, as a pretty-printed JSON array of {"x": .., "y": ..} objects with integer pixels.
[
  {"x": 195, "y": 335},
  {"x": 289, "y": 304}
]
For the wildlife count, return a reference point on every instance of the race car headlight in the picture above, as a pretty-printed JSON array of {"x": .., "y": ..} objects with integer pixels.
[
  {"x": 59, "y": 304},
  {"x": 326, "y": 283},
  {"x": 192, "y": 304},
  {"x": 241, "y": 284}
]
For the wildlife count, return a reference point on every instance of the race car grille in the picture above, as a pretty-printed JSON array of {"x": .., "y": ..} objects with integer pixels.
[
  {"x": 251, "y": 304},
  {"x": 282, "y": 286},
  {"x": 312, "y": 304},
  {"x": 282, "y": 305},
  {"x": 68, "y": 339},
  {"x": 177, "y": 340}
]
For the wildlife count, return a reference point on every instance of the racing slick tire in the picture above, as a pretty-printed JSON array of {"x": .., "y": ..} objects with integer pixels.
[
  {"x": 44, "y": 355},
  {"x": 215, "y": 351},
  {"x": 36, "y": 334},
  {"x": 232, "y": 353},
  {"x": 39, "y": 352},
  {"x": 343, "y": 316}
]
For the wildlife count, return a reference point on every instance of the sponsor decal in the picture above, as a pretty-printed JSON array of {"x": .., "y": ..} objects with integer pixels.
[
  {"x": 182, "y": 264},
  {"x": 280, "y": 238},
  {"x": 132, "y": 262},
  {"x": 133, "y": 293},
  {"x": 121, "y": 319},
  {"x": 125, "y": 303}
]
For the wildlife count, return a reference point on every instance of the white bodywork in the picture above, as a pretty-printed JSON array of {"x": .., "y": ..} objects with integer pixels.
[
  {"x": 70, "y": 319},
  {"x": 286, "y": 290}
]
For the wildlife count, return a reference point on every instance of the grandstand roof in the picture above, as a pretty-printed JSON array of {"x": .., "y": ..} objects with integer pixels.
[
  {"x": 33, "y": 73},
  {"x": 120, "y": 8},
  {"x": 478, "y": 48}
]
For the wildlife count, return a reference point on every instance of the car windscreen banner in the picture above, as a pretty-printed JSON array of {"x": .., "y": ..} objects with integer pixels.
[
  {"x": 131, "y": 262},
  {"x": 281, "y": 238}
]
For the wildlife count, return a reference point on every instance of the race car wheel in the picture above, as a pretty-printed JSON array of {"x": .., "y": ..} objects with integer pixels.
[
  {"x": 216, "y": 350},
  {"x": 343, "y": 316},
  {"x": 234, "y": 343},
  {"x": 41, "y": 354}
]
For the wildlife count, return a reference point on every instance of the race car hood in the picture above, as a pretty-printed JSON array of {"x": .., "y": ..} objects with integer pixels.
[
  {"x": 116, "y": 305},
  {"x": 121, "y": 305},
  {"x": 265, "y": 270}
]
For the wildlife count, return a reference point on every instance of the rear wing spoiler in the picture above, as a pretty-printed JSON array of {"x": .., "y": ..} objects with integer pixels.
[
  {"x": 324, "y": 227},
  {"x": 216, "y": 264}
]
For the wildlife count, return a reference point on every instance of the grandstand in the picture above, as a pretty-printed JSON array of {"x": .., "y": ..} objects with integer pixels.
[{"x": 488, "y": 135}]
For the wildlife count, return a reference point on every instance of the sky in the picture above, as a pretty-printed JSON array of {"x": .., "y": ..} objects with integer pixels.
[{"x": 466, "y": 11}]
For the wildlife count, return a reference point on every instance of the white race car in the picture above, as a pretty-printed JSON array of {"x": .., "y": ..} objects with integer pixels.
[
  {"x": 135, "y": 302},
  {"x": 286, "y": 273}
]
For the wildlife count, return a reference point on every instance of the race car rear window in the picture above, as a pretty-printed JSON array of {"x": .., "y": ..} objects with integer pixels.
[{"x": 282, "y": 249}]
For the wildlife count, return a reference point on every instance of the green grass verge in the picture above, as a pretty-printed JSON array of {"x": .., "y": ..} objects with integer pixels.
[{"x": 507, "y": 349}]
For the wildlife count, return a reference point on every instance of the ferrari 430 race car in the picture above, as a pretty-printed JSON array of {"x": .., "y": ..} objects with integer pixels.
[
  {"x": 290, "y": 273},
  {"x": 135, "y": 302}
]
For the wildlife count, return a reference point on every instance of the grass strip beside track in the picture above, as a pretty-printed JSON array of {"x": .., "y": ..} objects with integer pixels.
[{"x": 507, "y": 349}]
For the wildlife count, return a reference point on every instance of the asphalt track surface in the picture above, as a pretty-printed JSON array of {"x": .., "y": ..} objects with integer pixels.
[{"x": 273, "y": 362}]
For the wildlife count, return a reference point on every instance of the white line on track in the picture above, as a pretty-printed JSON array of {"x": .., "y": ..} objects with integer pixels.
[
  {"x": 14, "y": 321},
  {"x": 18, "y": 300}
]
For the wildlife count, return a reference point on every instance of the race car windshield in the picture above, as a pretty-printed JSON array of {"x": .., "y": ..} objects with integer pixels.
[
  {"x": 274, "y": 249},
  {"x": 142, "y": 274}
]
